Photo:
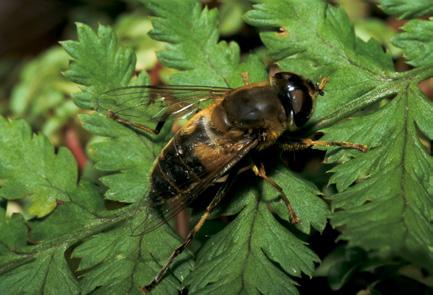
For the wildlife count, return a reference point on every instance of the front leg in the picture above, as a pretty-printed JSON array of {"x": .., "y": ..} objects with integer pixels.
[{"x": 308, "y": 142}]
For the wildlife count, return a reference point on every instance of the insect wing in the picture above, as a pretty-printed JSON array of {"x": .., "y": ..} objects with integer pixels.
[
  {"x": 159, "y": 210},
  {"x": 145, "y": 104}
]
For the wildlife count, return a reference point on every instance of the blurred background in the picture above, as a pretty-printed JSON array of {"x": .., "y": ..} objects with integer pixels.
[{"x": 32, "y": 87}]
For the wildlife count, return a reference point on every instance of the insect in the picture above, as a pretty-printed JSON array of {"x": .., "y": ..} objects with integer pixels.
[{"x": 209, "y": 147}]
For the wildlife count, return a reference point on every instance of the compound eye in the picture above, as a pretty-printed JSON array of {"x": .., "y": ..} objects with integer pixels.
[
  {"x": 302, "y": 105},
  {"x": 297, "y": 100}
]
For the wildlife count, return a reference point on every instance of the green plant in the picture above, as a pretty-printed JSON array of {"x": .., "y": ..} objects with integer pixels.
[
  {"x": 41, "y": 95},
  {"x": 384, "y": 199}
]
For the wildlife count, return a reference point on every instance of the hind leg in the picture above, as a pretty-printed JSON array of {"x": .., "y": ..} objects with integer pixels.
[{"x": 215, "y": 201}]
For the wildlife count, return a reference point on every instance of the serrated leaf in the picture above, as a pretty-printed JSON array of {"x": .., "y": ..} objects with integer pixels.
[
  {"x": 385, "y": 196},
  {"x": 416, "y": 40},
  {"x": 192, "y": 35},
  {"x": 118, "y": 262},
  {"x": 196, "y": 55},
  {"x": 42, "y": 267},
  {"x": 391, "y": 206},
  {"x": 377, "y": 29},
  {"x": 124, "y": 261},
  {"x": 121, "y": 260},
  {"x": 47, "y": 273},
  {"x": 229, "y": 262},
  {"x": 316, "y": 40},
  {"x": 312, "y": 212},
  {"x": 123, "y": 150},
  {"x": 32, "y": 171},
  {"x": 99, "y": 63},
  {"x": 84, "y": 208},
  {"x": 407, "y": 9}
]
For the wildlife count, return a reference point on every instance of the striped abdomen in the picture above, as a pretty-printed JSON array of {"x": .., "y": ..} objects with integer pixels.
[
  {"x": 215, "y": 139},
  {"x": 180, "y": 165}
]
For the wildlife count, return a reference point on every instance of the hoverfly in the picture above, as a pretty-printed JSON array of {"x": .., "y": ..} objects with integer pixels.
[{"x": 208, "y": 149}]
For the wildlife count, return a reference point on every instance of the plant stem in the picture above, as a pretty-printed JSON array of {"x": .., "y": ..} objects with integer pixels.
[{"x": 357, "y": 104}]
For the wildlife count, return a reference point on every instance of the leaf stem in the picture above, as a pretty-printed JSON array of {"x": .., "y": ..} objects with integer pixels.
[
  {"x": 29, "y": 253},
  {"x": 417, "y": 74},
  {"x": 376, "y": 94},
  {"x": 386, "y": 90}
]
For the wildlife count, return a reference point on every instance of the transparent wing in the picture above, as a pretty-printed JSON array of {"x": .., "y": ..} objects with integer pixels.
[
  {"x": 154, "y": 103},
  {"x": 159, "y": 210}
]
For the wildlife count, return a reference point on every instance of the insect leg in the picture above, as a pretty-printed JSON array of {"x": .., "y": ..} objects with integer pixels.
[
  {"x": 262, "y": 173},
  {"x": 137, "y": 126},
  {"x": 215, "y": 201},
  {"x": 307, "y": 143},
  {"x": 245, "y": 78},
  {"x": 322, "y": 85}
]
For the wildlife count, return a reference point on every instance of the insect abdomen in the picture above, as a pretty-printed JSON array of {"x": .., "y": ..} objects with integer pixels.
[{"x": 177, "y": 168}]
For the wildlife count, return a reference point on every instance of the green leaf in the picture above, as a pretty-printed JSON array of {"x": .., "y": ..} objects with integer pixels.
[
  {"x": 407, "y": 9},
  {"x": 252, "y": 255},
  {"x": 42, "y": 91},
  {"x": 202, "y": 59},
  {"x": 391, "y": 206},
  {"x": 317, "y": 40},
  {"x": 82, "y": 218},
  {"x": 32, "y": 171},
  {"x": 48, "y": 273},
  {"x": 311, "y": 210},
  {"x": 385, "y": 196},
  {"x": 417, "y": 42},
  {"x": 124, "y": 151},
  {"x": 129, "y": 156},
  {"x": 99, "y": 63},
  {"x": 41, "y": 268},
  {"x": 82, "y": 210},
  {"x": 13, "y": 234},
  {"x": 118, "y": 262},
  {"x": 121, "y": 260}
]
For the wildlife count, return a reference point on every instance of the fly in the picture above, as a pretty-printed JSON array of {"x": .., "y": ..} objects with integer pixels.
[{"x": 207, "y": 149}]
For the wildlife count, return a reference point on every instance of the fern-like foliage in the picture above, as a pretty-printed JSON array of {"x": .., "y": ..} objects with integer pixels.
[
  {"x": 407, "y": 9},
  {"x": 384, "y": 198},
  {"x": 34, "y": 179}
]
